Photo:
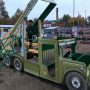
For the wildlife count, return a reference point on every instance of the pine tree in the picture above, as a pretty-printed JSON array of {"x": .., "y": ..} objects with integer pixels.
[
  {"x": 16, "y": 16},
  {"x": 89, "y": 19},
  {"x": 3, "y": 12},
  {"x": 4, "y": 17}
]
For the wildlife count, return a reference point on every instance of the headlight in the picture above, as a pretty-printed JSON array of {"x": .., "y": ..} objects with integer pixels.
[
  {"x": 82, "y": 68},
  {"x": 88, "y": 73}
]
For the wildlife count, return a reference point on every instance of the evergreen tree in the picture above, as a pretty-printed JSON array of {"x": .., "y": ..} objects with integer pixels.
[
  {"x": 89, "y": 19},
  {"x": 4, "y": 17},
  {"x": 67, "y": 19},
  {"x": 16, "y": 16}
]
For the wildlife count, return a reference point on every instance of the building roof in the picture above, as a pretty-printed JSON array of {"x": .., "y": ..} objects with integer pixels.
[
  {"x": 6, "y": 26},
  {"x": 60, "y": 20},
  {"x": 53, "y": 27}
]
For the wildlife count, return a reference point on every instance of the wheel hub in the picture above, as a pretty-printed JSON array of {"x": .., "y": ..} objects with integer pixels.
[
  {"x": 17, "y": 64},
  {"x": 76, "y": 82},
  {"x": 7, "y": 62}
]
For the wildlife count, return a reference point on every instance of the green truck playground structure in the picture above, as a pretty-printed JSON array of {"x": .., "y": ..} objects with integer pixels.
[{"x": 46, "y": 58}]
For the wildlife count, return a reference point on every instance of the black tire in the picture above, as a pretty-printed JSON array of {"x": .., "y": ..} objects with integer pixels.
[
  {"x": 8, "y": 62},
  {"x": 18, "y": 64},
  {"x": 76, "y": 81}
]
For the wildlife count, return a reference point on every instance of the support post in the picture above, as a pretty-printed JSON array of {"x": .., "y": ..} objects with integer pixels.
[
  {"x": 39, "y": 28},
  {"x": 23, "y": 40},
  {"x": 73, "y": 11}
]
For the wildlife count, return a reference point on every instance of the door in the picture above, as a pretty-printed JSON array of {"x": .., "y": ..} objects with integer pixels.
[
  {"x": 49, "y": 59},
  {"x": 31, "y": 64}
]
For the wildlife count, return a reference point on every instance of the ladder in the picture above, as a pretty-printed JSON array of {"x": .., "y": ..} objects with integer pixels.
[{"x": 25, "y": 13}]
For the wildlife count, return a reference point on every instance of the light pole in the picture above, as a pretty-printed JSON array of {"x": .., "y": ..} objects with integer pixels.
[
  {"x": 85, "y": 20},
  {"x": 78, "y": 19},
  {"x": 73, "y": 10}
]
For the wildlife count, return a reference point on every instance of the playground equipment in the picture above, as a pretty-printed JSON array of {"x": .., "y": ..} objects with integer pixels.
[
  {"x": 46, "y": 58},
  {"x": 19, "y": 27}
]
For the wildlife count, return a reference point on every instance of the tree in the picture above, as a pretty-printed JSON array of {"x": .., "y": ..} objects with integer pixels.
[
  {"x": 70, "y": 22},
  {"x": 78, "y": 21},
  {"x": 66, "y": 18},
  {"x": 4, "y": 17},
  {"x": 3, "y": 12},
  {"x": 89, "y": 19},
  {"x": 16, "y": 16}
]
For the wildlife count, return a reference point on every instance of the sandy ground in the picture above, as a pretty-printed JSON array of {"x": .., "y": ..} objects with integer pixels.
[{"x": 10, "y": 79}]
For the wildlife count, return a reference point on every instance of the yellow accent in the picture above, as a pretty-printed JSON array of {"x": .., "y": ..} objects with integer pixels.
[
  {"x": 33, "y": 51},
  {"x": 27, "y": 44},
  {"x": 45, "y": 73},
  {"x": 34, "y": 44}
]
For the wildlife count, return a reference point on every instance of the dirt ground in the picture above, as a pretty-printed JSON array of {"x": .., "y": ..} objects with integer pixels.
[
  {"x": 83, "y": 48},
  {"x": 11, "y": 79}
]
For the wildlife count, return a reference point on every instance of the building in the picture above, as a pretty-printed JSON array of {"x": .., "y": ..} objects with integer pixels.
[
  {"x": 50, "y": 23},
  {"x": 4, "y": 29}
]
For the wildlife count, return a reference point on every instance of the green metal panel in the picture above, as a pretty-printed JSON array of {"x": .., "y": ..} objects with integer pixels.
[
  {"x": 48, "y": 41},
  {"x": 31, "y": 68},
  {"x": 85, "y": 59},
  {"x": 49, "y": 59},
  {"x": 75, "y": 56},
  {"x": 70, "y": 66},
  {"x": 61, "y": 38},
  {"x": 46, "y": 47},
  {"x": 48, "y": 54},
  {"x": 88, "y": 74},
  {"x": 73, "y": 48},
  {"x": 80, "y": 57}
]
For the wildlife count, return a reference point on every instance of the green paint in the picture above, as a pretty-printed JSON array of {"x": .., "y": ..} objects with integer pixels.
[{"x": 50, "y": 65}]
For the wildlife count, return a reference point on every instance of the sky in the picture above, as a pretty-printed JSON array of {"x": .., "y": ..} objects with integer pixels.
[{"x": 64, "y": 6}]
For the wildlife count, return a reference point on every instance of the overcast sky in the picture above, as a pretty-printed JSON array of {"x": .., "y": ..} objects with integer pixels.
[{"x": 65, "y": 7}]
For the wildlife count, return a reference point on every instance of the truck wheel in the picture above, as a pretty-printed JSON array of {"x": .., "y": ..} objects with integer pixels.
[
  {"x": 76, "y": 81},
  {"x": 7, "y": 62},
  {"x": 18, "y": 64}
]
